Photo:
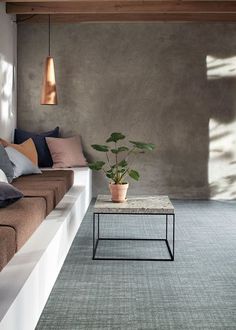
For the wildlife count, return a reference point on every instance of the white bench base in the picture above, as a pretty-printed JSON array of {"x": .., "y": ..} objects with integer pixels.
[{"x": 27, "y": 280}]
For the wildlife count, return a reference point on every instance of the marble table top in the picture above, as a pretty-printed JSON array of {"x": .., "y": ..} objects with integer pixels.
[{"x": 135, "y": 204}]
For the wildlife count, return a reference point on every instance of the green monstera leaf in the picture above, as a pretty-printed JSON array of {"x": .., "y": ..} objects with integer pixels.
[
  {"x": 134, "y": 175},
  {"x": 123, "y": 163},
  {"x": 96, "y": 166},
  {"x": 115, "y": 137},
  {"x": 100, "y": 147},
  {"x": 109, "y": 176},
  {"x": 118, "y": 150},
  {"x": 143, "y": 146}
]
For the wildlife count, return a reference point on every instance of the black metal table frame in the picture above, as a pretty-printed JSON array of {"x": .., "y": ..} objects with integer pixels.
[{"x": 97, "y": 238}]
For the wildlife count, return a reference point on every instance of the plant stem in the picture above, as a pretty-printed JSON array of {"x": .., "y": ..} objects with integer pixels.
[
  {"x": 108, "y": 160},
  {"x": 128, "y": 154},
  {"x": 124, "y": 174}
]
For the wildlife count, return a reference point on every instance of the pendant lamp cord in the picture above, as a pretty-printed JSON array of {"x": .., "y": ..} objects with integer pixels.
[{"x": 49, "y": 35}]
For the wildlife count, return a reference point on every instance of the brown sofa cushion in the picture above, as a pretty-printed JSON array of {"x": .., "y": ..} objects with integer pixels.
[
  {"x": 24, "y": 217},
  {"x": 66, "y": 176},
  {"x": 58, "y": 187},
  {"x": 47, "y": 194},
  {"x": 51, "y": 185},
  {"x": 7, "y": 245}
]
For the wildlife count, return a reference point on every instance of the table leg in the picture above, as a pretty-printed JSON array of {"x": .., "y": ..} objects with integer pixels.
[
  {"x": 98, "y": 226},
  {"x": 166, "y": 226},
  {"x": 93, "y": 235},
  {"x": 173, "y": 236}
]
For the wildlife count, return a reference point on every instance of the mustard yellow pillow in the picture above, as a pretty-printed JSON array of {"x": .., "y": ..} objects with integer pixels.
[{"x": 28, "y": 149}]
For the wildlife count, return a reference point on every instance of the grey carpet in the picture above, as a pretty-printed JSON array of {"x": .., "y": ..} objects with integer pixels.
[{"x": 196, "y": 291}]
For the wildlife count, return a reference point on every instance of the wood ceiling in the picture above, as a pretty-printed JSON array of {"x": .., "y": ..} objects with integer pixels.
[{"x": 124, "y": 10}]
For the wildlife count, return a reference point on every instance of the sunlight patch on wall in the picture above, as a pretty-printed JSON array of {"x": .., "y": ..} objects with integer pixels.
[
  {"x": 222, "y": 160},
  {"x": 6, "y": 91},
  {"x": 218, "y": 68}
]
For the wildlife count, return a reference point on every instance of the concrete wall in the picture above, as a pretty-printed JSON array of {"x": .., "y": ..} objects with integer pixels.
[
  {"x": 151, "y": 81},
  {"x": 7, "y": 74}
]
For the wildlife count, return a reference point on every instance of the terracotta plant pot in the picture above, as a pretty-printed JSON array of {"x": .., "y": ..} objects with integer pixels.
[{"x": 118, "y": 192}]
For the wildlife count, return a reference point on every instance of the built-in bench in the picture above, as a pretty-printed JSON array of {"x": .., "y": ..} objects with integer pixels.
[
  {"x": 42, "y": 192},
  {"x": 27, "y": 280}
]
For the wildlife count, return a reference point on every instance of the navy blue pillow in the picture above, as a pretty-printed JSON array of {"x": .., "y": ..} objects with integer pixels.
[{"x": 44, "y": 156}]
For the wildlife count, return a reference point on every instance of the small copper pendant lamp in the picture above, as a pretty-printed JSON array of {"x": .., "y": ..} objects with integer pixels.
[{"x": 49, "y": 90}]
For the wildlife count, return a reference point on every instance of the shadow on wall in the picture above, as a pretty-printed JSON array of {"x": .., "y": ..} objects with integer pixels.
[
  {"x": 221, "y": 73},
  {"x": 6, "y": 92},
  {"x": 196, "y": 139}
]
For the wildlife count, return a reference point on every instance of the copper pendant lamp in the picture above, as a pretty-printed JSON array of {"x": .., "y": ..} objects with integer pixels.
[{"x": 49, "y": 90}]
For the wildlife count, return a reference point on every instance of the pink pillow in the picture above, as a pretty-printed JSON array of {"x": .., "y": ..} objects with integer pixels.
[{"x": 66, "y": 152}]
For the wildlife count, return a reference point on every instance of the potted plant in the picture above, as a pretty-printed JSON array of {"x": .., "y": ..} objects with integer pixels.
[{"x": 118, "y": 165}]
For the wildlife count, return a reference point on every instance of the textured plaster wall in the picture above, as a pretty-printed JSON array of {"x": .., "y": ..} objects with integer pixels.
[
  {"x": 7, "y": 73},
  {"x": 148, "y": 80}
]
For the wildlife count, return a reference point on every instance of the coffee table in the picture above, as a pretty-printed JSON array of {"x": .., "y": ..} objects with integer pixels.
[{"x": 156, "y": 206}]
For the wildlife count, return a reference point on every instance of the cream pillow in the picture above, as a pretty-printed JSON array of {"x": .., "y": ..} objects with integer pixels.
[{"x": 3, "y": 177}]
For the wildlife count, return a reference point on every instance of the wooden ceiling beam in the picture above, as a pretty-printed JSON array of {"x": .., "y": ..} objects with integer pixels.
[
  {"x": 121, "y": 7},
  {"x": 89, "y": 1},
  {"x": 78, "y": 18}
]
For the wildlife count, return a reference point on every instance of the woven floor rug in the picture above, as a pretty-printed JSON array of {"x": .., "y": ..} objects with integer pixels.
[{"x": 196, "y": 291}]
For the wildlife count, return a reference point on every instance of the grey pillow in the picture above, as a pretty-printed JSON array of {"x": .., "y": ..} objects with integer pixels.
[
  {"x": 21, "y": 164},
  {"x": 8, "y": 194},
  {"x": 5, "y": 164}
]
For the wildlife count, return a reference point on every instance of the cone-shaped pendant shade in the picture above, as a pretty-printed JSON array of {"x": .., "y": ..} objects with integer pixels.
[{"x": 49, "y": 91}]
